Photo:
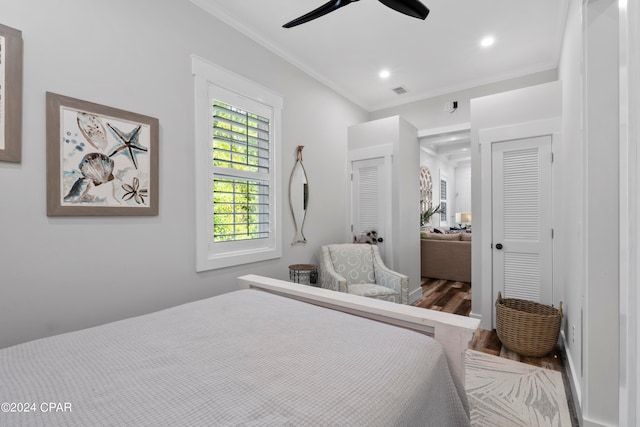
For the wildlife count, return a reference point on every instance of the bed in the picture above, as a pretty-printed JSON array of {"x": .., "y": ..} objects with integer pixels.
[{"x": 261, "y": 355}]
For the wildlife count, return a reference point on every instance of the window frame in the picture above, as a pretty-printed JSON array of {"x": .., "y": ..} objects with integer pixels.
[{"x": 212, "y": 81}]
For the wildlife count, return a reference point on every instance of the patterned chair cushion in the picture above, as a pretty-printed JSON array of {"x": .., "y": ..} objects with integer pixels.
[
  {"x": 374, "y": 291},
  {"x": 354, "y": 262}
]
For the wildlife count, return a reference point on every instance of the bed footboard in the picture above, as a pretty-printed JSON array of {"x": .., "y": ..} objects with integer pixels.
[{"x": 452, "y": 331}]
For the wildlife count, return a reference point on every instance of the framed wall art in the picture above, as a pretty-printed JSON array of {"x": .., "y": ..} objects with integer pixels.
[
  {"x": 10, "y": 94},
  {"x": 100, "y": 160}
]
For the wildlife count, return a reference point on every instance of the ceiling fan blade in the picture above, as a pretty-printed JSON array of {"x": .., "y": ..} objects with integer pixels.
[
  {"x": 409, "y": 7},
  {"x": 317, "y": 13}
]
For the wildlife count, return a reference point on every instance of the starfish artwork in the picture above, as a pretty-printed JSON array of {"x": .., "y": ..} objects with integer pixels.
[
  {"x": 129, "y": 142},
  {"x": 134, "y": 191}
]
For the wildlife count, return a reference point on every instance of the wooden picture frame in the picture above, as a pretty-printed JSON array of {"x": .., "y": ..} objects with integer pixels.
[
  {"x": 101, "y": 161},
  {"x": 11, "y": 57}
]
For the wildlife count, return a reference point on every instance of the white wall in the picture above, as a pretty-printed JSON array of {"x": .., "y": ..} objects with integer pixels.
[
  {"x": 629, "y": 213},
  {"x": 60, "y": 274},
  {"x": 571, "y": 75},
  {"x": 408, "y": 191},
  {"x": 463, "y": 188},
  {"x": 405, "y": 191},
  {"x": 429, "y": 113},
  {"x": 602, "y": 162},
  {"x": 532, "y": 104},
  {"x": 598, "y": 169}
]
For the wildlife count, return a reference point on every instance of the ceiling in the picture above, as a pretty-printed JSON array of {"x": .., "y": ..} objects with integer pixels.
[
  {"x": 451, "y": 144},
  {"x": 346, "y": 49}
]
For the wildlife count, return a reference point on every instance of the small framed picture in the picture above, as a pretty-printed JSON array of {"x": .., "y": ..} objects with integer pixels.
[
  {"x": 101, "y": 161},
  {"x": 10, "y": 94}
]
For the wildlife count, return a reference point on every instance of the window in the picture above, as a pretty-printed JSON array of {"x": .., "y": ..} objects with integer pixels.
[
  {"x": 237, "y": 129},
  {"x": 443, "y": 201},
  {"x": 240, "y": 200}
]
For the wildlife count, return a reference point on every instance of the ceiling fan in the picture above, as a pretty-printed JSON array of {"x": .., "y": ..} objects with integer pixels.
[{"x": 409, "y": 7}]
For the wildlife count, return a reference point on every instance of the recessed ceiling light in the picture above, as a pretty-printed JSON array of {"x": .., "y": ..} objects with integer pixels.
[
  {"x": 384, "y": 74},
  {"x": 487, "y": 41}
]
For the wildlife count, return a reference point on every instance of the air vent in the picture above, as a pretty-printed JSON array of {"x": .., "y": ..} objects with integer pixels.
[{"x": 399, "y": 90}]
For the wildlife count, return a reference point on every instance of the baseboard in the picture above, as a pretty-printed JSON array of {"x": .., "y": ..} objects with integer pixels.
[
  {"x": 574, "y": 383},
  {"x": 475, "y": 316},
  {"x": 588, "y": 423},
  {"x": 415, "y": 295}
]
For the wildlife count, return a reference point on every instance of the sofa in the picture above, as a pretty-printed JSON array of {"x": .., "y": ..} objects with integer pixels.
[{"x": 446, "y": 256}]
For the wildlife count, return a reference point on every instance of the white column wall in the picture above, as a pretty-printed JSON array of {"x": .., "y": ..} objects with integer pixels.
[
  {"x": 405, "y": 202},
  {"x": 602, "y": 206}
]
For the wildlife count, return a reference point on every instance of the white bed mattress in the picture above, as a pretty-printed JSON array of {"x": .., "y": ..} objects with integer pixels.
[{"x": 242, "y": 358}]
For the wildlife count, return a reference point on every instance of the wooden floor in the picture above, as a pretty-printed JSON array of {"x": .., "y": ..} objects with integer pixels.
[
  {"x": 445, "y": 295},
  {"x": 455, "y": 297}
]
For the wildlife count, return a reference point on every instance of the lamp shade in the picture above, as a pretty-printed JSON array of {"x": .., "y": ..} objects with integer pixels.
[{"x": 463, "y": 217}]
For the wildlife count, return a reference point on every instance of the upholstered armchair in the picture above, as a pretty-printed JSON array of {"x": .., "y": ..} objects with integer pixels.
[{"x": 358, "y": 269}]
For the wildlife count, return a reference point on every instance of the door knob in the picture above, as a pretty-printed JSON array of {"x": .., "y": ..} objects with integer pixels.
[{"x": 499, "y": 246}]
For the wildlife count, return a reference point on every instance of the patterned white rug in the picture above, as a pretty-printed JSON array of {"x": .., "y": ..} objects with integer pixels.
[{"x": 507, "y": 393}]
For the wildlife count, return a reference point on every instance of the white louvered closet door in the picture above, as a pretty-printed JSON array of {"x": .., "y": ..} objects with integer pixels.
[
  {"x": 370, "y": 199},
  {"x": 522, "y": 219}
]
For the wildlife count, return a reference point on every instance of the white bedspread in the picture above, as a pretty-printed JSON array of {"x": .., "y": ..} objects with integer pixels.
[{"x": 243, "y": 358}]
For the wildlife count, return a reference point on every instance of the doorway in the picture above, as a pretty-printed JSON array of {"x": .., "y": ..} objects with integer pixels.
[
  {"x": 446, "y": 153},
  {"x": 534, "y": 161},
  {"x": 370, "y": 194}
]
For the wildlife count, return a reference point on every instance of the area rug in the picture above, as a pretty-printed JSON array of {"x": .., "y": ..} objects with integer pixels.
[{"x": 507, "y": 393}]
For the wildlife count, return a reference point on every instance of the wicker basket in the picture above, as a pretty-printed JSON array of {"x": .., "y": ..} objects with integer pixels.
[{"x": 526, "y": 327}]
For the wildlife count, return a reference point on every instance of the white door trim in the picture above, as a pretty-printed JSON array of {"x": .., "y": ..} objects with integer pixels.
[
  {"x": 629, "y": 320},
  {"x": 486, "y": 137}
]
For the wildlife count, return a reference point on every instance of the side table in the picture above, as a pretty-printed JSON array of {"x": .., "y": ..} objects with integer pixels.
[{"x": 306, "y": 274}]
